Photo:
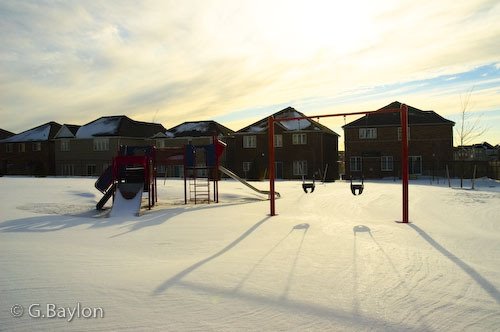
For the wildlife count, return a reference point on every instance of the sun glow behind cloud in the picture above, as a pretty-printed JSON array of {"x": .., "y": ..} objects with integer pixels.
[{"x": 237, "y": 61}]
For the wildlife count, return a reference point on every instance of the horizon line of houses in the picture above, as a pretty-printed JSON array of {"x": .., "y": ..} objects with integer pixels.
[{"x": 304, "y": 148}]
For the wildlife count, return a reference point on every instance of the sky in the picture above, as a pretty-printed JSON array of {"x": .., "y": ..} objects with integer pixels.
[{"x": 239, "y": 61}]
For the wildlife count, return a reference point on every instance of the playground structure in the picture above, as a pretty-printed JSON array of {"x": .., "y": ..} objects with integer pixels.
[
  {"x": 134, "y": 171},
  {"x": 403, "y": 110}
]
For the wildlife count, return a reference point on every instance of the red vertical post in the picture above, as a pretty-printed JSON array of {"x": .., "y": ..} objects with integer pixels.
[
  {"x": 404, "y": 159},
  {"x": 270, "y": 132}
]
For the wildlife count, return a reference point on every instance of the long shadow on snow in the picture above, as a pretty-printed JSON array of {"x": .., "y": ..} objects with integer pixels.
[
  {"x": 356, "y": 303},
  {"x": 282, "y": 302},
  {"x": 481, "y": 281},
  {"x": 177, "y": 278},
  {"x": 93, "y": 219}
]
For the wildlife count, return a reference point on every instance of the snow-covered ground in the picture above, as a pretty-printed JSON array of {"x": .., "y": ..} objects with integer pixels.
[{"x": 329, "y": 260}]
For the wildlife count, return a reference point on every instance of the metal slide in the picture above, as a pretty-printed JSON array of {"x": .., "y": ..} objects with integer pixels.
[
  {"x": 127, "y": 201},
  {"x": 236, "y": 177}
]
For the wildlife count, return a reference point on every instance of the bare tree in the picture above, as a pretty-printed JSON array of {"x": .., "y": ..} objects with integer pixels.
[{"x": 470, "y": 128}]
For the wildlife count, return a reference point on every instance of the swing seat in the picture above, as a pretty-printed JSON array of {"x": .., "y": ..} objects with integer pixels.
[
  {"x": 307, "y": 186},
  {"x": 357, "y": 189}
]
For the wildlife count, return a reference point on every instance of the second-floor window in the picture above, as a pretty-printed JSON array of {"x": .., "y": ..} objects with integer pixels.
[
  {"x": 160, "y": 143},
  {"x": 400, "y": 133},
  {"x": 65, "y": 145},
  {"x": 22, "y": 147},
  {"x": 37, "y": 146},
  {"x": 278, "y": 141},
  {"x": 299, "y": 139},
  {"x": 367, "y": 133},
  {"x": 249, "y": 141},
  {"x": 9, "y": 147},
  {"x": 101, "y": 144}
]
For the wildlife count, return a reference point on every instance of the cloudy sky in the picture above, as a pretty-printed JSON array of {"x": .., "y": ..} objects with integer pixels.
[{"x": 238, "y": 61}]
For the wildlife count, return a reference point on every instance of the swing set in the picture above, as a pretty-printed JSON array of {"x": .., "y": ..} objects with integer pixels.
[{"x": 356, "y": 188}]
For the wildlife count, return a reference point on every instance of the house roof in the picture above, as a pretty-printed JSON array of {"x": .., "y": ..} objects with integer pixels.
[
  {"x": 43, "y": 132},
  {"x": 199, "y": 129},
  {"x": 118, "y": 125},
  {"x": 5, "y": 133},
  {"x": 67, "y": 131},
  {"x": 484, "y": 145},
  {"x": 289, "y": 125},
  {"x": 415, "y": 117}
]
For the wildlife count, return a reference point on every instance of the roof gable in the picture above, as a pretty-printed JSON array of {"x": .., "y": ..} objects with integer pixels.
[
  {"x": 415, "y": 117},
  {"x": 5, "y": 133},
  {"x": 119, "y": 125},
  {"x": 67, "y": 131},
  {"x": 43, "y": 132},
  {"x": 199, "y": 129},
  {"x": 288, "y": 125}
]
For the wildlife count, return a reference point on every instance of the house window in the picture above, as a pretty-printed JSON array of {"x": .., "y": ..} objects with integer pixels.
[
  {"x": 299, "y": 139},
  {"x": 386, "y": 163},
  {"x": 160, "y": 143},
  {"x": 68, "y": 169},
  {"x": 367, "y": 133},
  {"x": 278, "y": 141},
  {"x": 300, "y": 167},
  {"x": 9, "y": 147},
  {"x": 249, "y": 142},
  {"x": 21, "y": 147},
  {"x": 37, "y": 146},
  {"x": 91, "y": 169},
  {"x": 65, "y": 145},
  {"x": 400, "y": 133},
  {"x": 101, "y": 144},
  {"x": 355, "y": 164},
  {"x": 415, "y": 164},
  {"x": 246, "y": 166}
]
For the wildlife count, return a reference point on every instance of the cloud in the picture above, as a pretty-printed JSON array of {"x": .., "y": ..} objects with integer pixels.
[{"x": 73, "y": 62}]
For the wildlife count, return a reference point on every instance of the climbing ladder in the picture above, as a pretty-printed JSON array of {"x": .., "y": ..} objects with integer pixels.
[{"x": 199, "y": 185}]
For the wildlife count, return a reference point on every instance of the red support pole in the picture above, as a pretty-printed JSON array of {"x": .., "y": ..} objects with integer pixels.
[
  {"x": 404, "y": 159},
  {"x": 270, "y": 133}
]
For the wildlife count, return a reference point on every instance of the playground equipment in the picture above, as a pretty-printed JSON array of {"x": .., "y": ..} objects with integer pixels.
[
  {"x": 308, "y": 185},
  {"x": 132, "y": 172},
  {"x": 357, "y": 188},
  {"x": 403, "y": 111},
  {"x": 201, "y": 163},
  {"x": 237, "y": 178}
]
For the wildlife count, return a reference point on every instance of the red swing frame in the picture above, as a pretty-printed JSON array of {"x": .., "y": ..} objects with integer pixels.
[{"x": 403, "y": 110}]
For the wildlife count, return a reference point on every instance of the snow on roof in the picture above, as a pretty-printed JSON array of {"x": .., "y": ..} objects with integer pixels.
[
  {"x": 105, "y": 126},
  {"x": 36, "y": 134},
  {"x": 294, "y": 124},
  {"x": 192, "y": 126},
  {"x": 64, "y": 132},
  {"x": 258, "y": 128}
]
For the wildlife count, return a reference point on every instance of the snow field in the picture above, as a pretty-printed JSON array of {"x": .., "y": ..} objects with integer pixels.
[{"x": 328, "y": 261}]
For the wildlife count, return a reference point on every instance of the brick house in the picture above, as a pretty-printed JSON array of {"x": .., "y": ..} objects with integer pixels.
[
  {"x": 480, "y": 151},
  {"x": 191, "y": 132},
  {"x": 373, "y": 143},
  {"x": 30, "y": 152},
  {"x": 302, "y": 148},
  {"x": 88, "y": 150}
]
